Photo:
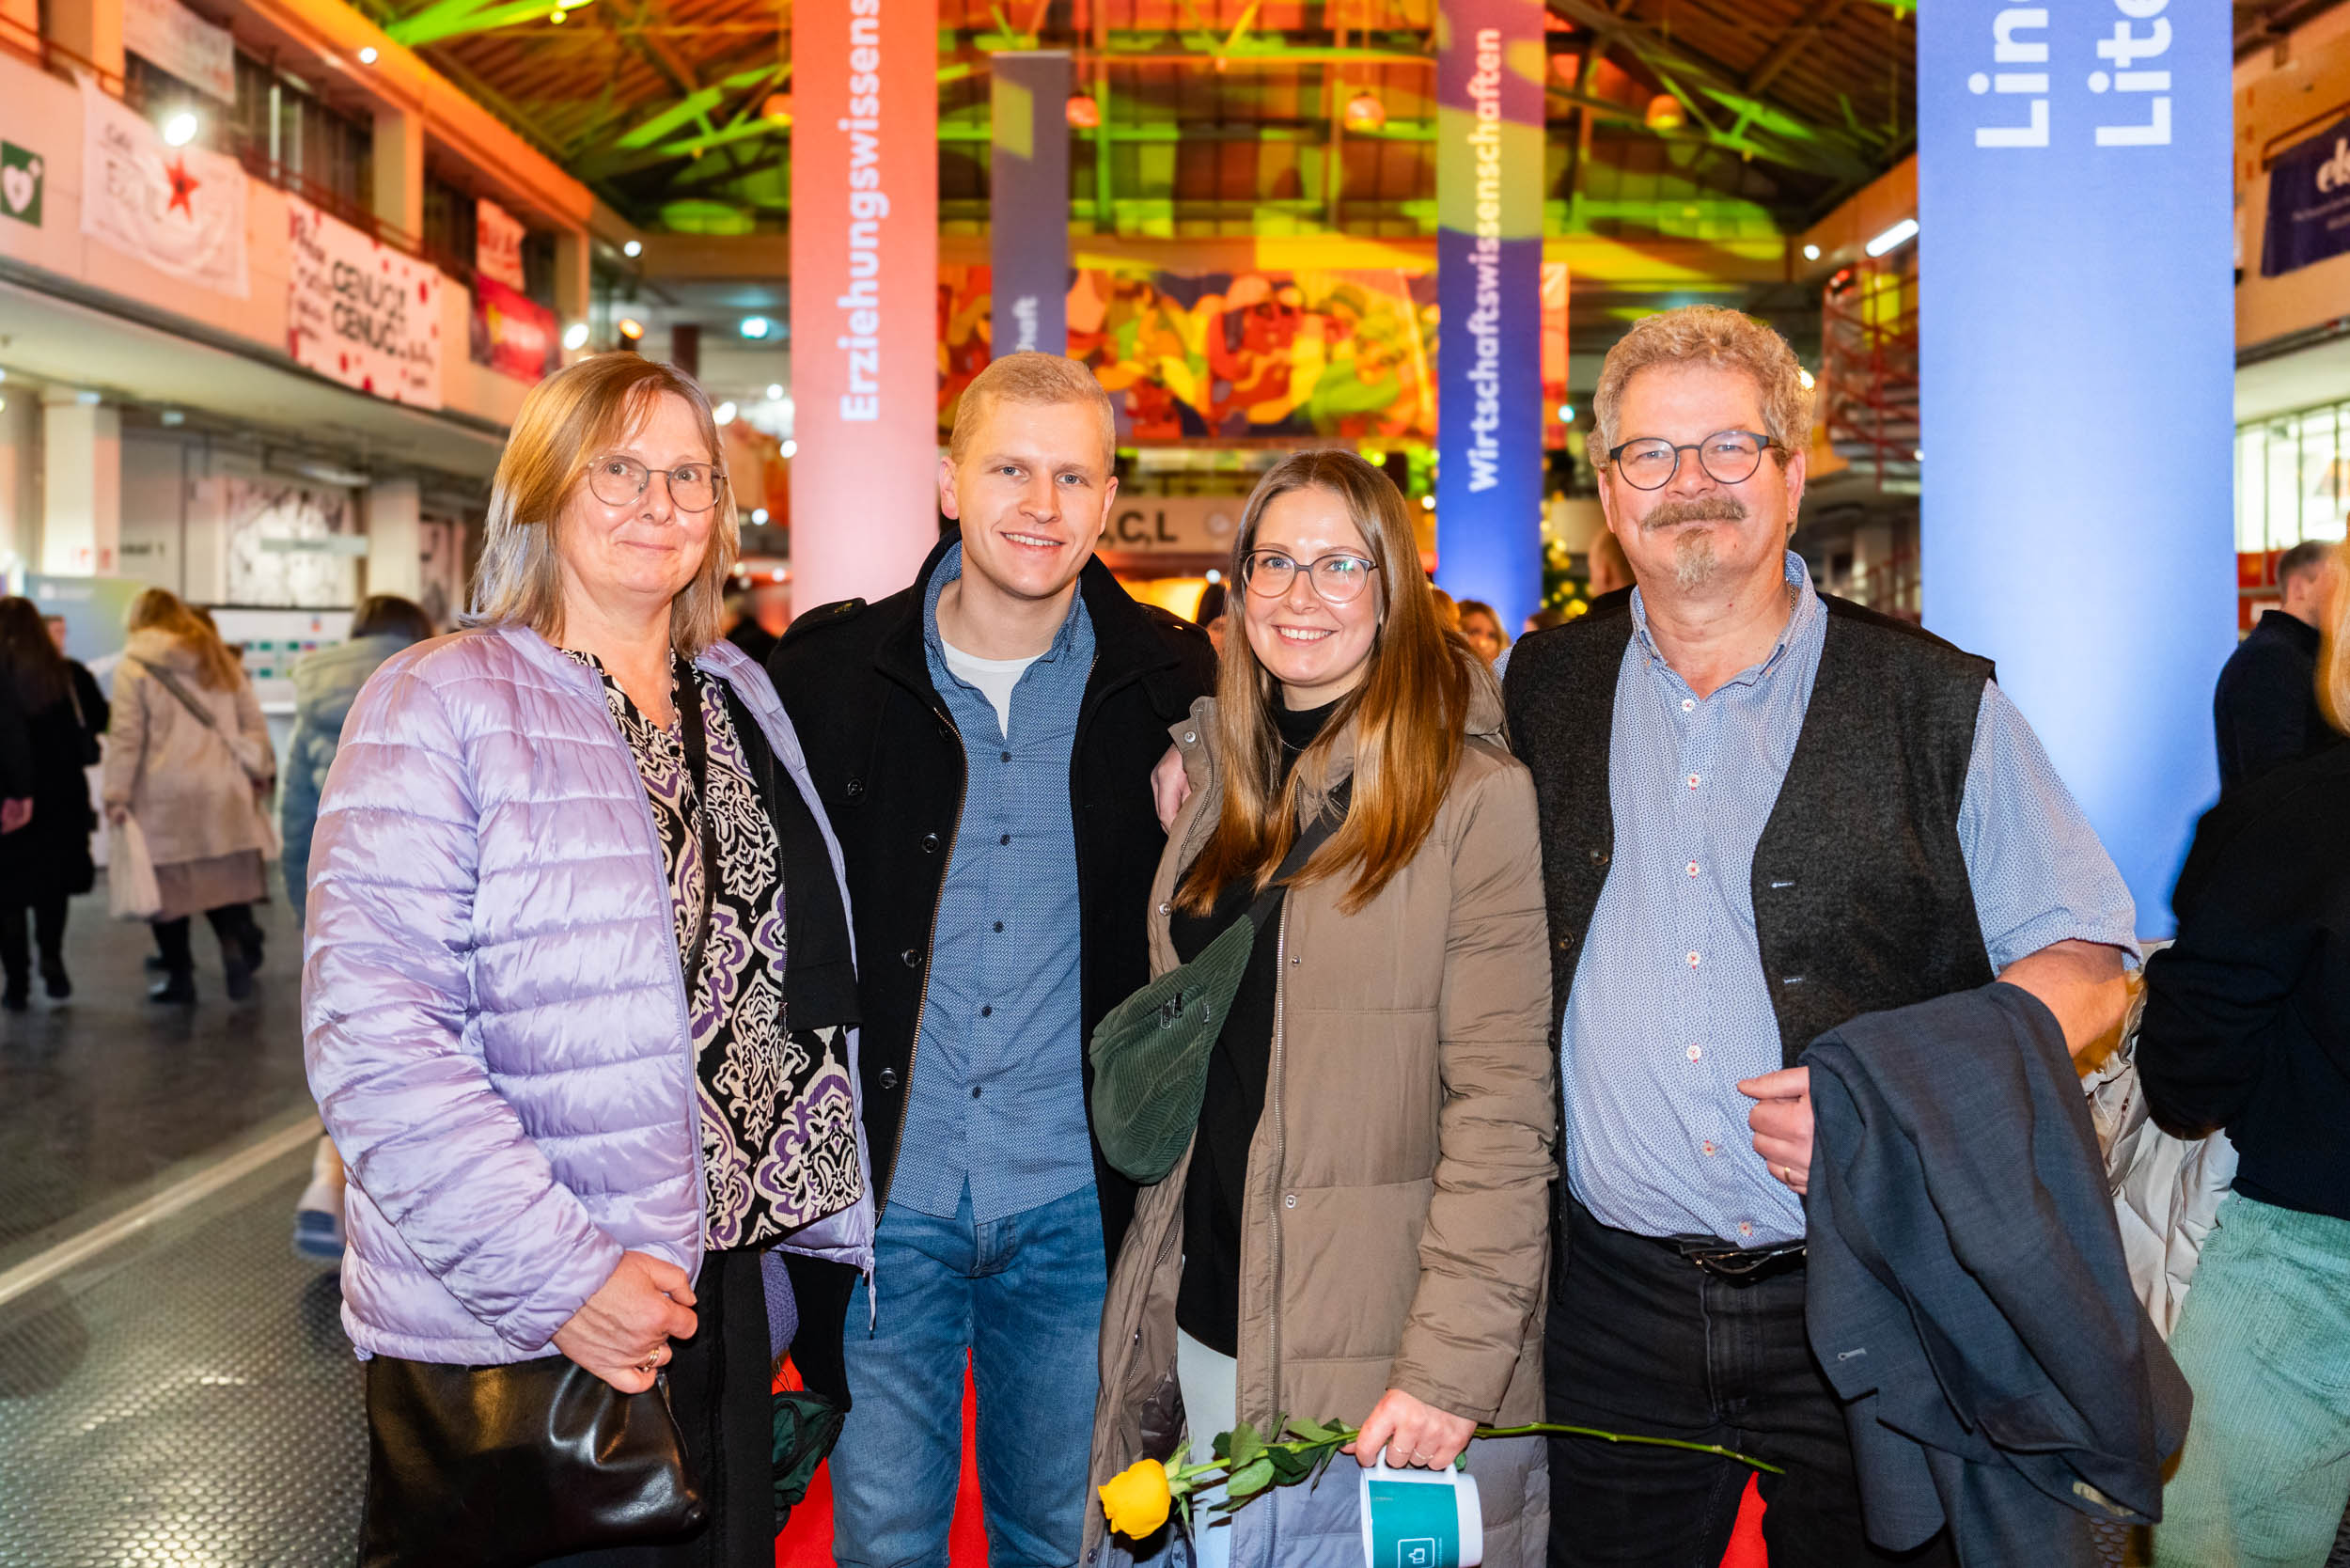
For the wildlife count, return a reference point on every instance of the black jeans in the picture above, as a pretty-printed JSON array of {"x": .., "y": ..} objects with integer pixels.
[
  {"x": 231, "y": 922},
  {"x": 1642, "y": 1342},
  {"x": 48, "y": 925}
]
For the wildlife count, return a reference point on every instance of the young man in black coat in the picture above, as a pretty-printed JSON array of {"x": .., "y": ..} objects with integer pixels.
[
  {"x": 2264, "y": 707},
  {"x": 983, "y": 744}
]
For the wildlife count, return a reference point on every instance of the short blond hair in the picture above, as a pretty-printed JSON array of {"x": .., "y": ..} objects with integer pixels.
[
  {"x": 1714, "y": 336},
  {"x": 1030, "y": 377},
  {"x": 572, "y": 417}
]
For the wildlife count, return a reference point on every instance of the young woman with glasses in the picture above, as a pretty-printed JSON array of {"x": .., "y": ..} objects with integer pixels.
[{"x": 1359, "y": 1230}]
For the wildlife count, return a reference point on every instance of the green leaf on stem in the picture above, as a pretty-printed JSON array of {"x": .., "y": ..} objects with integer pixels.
[
  {"x": 1246, "y": 1445},
  {"x": 1290, "y": 1465},
  {"x": 1250, "y": 1479}
]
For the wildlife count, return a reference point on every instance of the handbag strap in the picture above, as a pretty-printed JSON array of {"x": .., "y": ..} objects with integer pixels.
[
  {"x": 690, "y": 723},
  {"x": 202, "y": 714},
  {"x": 1311, "y": 839}
]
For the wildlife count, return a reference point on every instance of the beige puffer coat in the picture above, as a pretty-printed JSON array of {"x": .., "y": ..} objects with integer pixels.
[
  {"x": 193, "y": 798},
  {"x": 1397, "y": 1232}
]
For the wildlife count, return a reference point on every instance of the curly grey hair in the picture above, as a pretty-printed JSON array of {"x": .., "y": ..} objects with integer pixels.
[{"x": 1706, "y": 334}]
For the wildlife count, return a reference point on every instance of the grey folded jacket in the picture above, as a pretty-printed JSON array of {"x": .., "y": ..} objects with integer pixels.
[{"x": 1967, "y": 1293}]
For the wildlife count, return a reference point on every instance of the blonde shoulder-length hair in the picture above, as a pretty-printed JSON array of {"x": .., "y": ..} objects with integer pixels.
[
  {"x": 1408, "y": 716},
  {"x": 569, "y": 419},
  {"x": 158, "y": 609},
  {"x": 2333, "y": 644}
]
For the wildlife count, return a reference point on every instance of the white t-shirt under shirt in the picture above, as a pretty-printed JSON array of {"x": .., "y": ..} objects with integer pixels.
[{"x": 994, "y": 678}]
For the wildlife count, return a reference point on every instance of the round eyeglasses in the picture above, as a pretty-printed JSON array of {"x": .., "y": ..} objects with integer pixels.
[
  {"x": 1728, "y": 457},
  {"x": 619, "y": 481},
  {"x": 1337, "y": 577}
]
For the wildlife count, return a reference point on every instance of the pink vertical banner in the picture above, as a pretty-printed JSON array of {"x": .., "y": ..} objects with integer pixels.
[{"x": 864, "y": 282}]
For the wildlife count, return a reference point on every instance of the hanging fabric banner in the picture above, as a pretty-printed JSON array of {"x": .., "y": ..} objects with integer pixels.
[
  {"x": 166, "y": 33},
  {"x": 1489, "y": 253},
  {"x": 1028, "y": 200},
  {"x": 2078, "y": 412},
  {"x": 2309, "y": 202},
  {"x": 361, "y": 312},
  {"x": 181, "y": 210},
  {"x": 498, "y": 245},
  {"x": 511, "y": 333},
  {"x": 864, "y": 295}
]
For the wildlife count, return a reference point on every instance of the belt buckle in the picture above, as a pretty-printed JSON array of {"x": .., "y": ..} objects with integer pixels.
[{"x": 1741, "y": 1266}]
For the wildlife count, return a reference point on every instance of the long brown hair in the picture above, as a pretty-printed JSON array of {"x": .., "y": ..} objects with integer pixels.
[
  {"x": 1407, "y": 715},
  {"x": 161, "y": 610},
  {"x": 28, "y": 659},
  {"x": 565, "y": 421}
]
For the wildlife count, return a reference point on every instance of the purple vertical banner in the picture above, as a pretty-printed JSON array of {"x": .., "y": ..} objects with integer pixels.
[
  {"x": 1489, "y": 293},
  {"x": 1028, "y": 233}
]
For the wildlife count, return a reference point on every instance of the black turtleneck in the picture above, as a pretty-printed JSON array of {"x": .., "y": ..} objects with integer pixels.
[{"x": 1207, "y": 1304}]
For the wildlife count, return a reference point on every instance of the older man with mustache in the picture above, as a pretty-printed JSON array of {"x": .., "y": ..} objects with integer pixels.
[{"x": 1765, "y": 812}]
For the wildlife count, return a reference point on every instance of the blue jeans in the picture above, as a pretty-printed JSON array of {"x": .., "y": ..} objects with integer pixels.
[{"x": 1021, "y": 1297}]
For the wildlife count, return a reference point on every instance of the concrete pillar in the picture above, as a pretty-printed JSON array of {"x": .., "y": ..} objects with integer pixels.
[
  {"x": 400, "y": 170},
  {"x": 81, "y": 531},
  {"x": 90, "y": 28},
  {"x": 394, "y": 539},
  {"x": 20, "y": 482},
  {"x": 572, "y": 280}
]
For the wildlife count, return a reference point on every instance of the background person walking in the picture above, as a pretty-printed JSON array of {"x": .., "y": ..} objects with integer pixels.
[
  {"x": 327, "y": 684},
  {"x": 188, "y": 756},
  {"x": 46, "y": 862}
]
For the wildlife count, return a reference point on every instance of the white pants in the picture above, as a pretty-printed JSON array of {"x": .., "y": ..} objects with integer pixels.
[{"x": 1209, "y": 1381}]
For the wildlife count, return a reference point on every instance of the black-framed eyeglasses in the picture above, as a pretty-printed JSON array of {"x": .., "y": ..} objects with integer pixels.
[
  {"x": 1339, "y": 577},
  {"x": 618, "y": 481},
  {"x": 1728, "y": 457}
]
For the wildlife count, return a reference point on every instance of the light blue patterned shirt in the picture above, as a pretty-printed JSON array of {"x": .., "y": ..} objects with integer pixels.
[
  {"x": 998, "y": 1098},
  {"x": 1670, "y": 1008}
]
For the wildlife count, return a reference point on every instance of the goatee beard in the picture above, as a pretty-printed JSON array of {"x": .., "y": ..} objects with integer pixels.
[{"x": 1694, "y": 561}]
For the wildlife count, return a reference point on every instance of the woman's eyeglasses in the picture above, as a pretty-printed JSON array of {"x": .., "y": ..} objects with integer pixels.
[
  {"x": 619, "y": 481},
  {"x": 1337, "y": 577}
]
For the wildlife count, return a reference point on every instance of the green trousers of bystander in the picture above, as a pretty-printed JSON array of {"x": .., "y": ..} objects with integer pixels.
[{"x": 2265, "y": 1341}]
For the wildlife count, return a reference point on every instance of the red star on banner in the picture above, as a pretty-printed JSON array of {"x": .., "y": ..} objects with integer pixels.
[{"x": 182, "y": 186}]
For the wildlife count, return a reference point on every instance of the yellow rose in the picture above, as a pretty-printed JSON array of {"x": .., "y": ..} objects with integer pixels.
[{"x": 1136, "y": 1500}]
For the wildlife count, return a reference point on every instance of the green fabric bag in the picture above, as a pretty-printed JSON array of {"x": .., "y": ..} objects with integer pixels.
[
  {"x": 1150, "y": 1051},
  {"x": 807, "y": 1426}
]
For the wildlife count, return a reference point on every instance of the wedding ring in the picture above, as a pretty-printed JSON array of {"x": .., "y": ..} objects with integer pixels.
[{"x": 653, "y": 1365}]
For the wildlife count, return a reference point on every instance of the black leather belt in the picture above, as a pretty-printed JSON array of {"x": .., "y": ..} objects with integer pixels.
[{"x": 1735, "y": 1265}]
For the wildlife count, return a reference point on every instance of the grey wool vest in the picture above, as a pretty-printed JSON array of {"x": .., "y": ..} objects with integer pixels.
[{"x": 1861, "y": 898}]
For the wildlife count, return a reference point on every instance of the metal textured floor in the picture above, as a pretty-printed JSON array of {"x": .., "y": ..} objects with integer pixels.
[
  {"x": 107, "y": 1090},
  {"x": 188, "y": 1401}
]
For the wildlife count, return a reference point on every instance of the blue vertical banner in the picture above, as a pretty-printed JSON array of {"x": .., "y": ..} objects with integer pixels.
[
  {"x": 1027, "y": 235},
  {"x": 2078, "y": 353},
  {"x": 1489, "y": 301}
]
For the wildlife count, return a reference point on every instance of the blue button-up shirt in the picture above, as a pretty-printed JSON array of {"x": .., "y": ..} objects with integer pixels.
[
  {"x": 997, "y": 1100},
  {"x": 1670, "y": 1008}
]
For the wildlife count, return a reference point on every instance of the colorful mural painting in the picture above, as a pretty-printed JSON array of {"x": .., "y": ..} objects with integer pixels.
[{"x": 1225, "y": 356}]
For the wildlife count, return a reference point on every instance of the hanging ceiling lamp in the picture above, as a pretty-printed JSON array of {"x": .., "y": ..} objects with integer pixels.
[
  {"x": 1665, "y": 112},
  {"x": 1365, "y": 114},
  {"x": 1084, "y": 113}
]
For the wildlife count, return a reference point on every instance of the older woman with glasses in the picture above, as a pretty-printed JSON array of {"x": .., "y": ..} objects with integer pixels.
[
  {"x": 1359, "y": 1230},
  {"x": 580, "y": 1014}
]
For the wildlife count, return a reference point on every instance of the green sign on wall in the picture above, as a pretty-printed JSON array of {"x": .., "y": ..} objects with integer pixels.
[{"x": 20, "y": 183}]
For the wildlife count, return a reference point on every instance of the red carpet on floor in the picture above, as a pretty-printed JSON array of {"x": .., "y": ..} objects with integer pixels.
[{"x": 807, "y": 1540}]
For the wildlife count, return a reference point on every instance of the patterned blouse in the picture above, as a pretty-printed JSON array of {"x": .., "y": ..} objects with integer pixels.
[{"x": 777, "y": 1119}]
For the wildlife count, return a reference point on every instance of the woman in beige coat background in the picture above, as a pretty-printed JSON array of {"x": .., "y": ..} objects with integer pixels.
[
  {"x": 1360, "y": 1230},
  {"x": 195, "y": 788}
]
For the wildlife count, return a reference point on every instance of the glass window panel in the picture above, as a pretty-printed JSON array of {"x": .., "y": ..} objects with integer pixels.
[
  {"x": 2251, "y": 520},
  {"x": 2321, "y": 475},
  {"x": 2283, "y": 512}
]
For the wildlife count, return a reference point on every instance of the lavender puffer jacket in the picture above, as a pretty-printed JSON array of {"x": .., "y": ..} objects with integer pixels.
[{"x": 494, "y": 1017}]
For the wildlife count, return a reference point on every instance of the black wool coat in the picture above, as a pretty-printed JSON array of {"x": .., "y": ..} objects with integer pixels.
[{"x": 890, "y": 768}]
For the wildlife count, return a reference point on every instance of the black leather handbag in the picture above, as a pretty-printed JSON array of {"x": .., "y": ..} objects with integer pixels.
[{"x": 501, "y": 1466}]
